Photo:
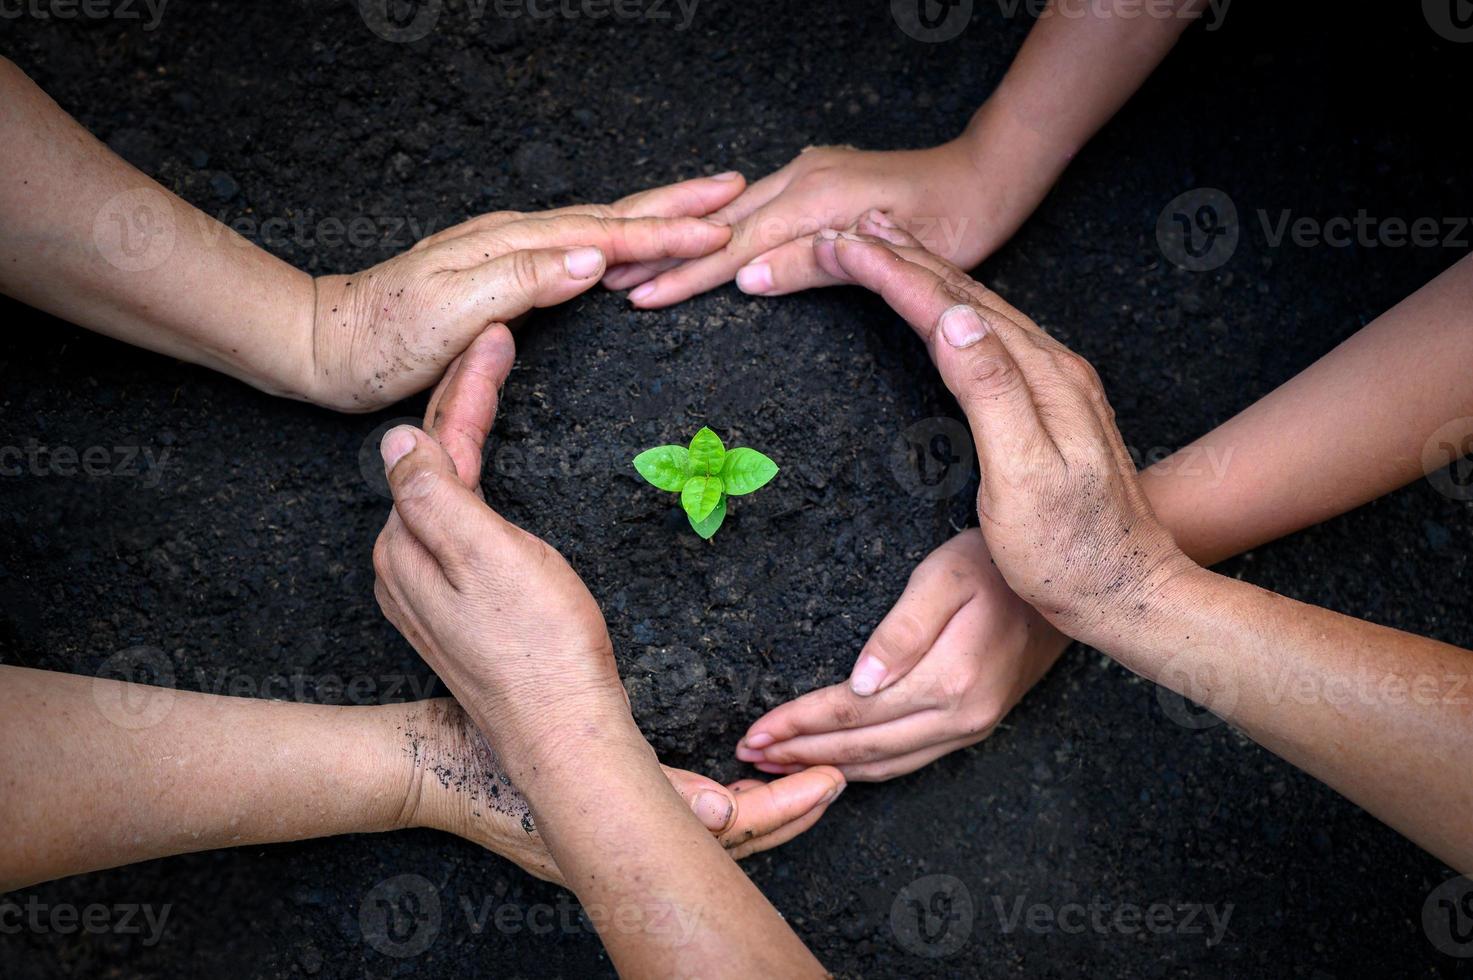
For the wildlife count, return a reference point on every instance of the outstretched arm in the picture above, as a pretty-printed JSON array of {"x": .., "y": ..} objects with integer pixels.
[
  {"x": 964, "y": 198},
  {"x": 85, "y": 236},
  {"x": 1382, "y": 716},
  {"x": 137, "y": 772},
  {"x": 960, "y": 649}
]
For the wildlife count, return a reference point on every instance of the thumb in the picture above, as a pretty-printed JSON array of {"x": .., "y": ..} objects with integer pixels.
[
  {"x": 969, "y": 348},
  {"x": 513, "y": 284},
  {"x": 713, "y": 804},
  {"x": 429, "y": 497}
]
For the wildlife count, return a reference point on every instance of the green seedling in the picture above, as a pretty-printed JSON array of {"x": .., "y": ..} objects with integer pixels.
[{"x": 704, "y": 475}]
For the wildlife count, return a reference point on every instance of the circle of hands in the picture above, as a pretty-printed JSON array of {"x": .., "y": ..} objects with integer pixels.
[{"x": 510, "y": 627}]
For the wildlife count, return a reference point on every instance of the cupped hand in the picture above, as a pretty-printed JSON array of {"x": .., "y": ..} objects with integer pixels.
[
  {"x": 936, "y": 193},
  {"x": 944, "y": 667},
  {"x": 388, "y": 332},
  {"x": 500, "y": 616},
  {"x": 1060, "y": 505},
  {"x": 459, "y": 785}
]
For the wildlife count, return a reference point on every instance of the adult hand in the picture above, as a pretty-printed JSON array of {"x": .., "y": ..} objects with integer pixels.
[
  {"x": 937, "y": 193},
  {"x": 1060, "y": 506},
  {"x": 941, "y": 671},
  {"x": 499, "y": 615},
  {"x": 458, "y": 784},
  {"x": 387, "y": 332}
]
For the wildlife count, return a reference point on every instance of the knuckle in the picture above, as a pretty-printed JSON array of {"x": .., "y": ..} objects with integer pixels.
[
  {"x": 846, "y": 713},
  {"x": 900, "y": 637},
  {"x": 993, "y": 374},
  {"x": 526, "y": 271},
  {"x": 382, "y": 561}
]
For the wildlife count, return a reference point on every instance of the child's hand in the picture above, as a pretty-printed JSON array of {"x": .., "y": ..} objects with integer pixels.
[
  {"x": 387, "y": 332},
  {"x": 458, "y": 784},
  {"x": 944, "y": 667},
  {"x": 937, "y": 194}
]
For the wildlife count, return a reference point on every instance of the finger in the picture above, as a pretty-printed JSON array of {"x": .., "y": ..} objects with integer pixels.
[
  {"x": 633, "y": 273},
  {"x": 688, "y": 198},
  {"x": 513, "y": 284},
  {"x": 770, "y": 807},
  {"x": 793, "y": 215},
  {"x": 874, "y": 743},
  {"x": 932, "y": 596},
  {"x": 620, "y": 239},
  {"x": 878, "y": 224},
  {"x": 976, "y": 348},
  {"x": 876, "y": 772},
  {"x": 462, "y": 410},
  {"x": 713, "y": 804},
  {"x": 437, "y": 509},
  {"x": 789, "y": 268},
  {"x": 829, "y": 709}
]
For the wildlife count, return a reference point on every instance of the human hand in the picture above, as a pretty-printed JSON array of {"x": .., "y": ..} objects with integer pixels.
[
  {"x": 459, "y": 784},
  {"x": 500, "y": 616},
  {"x": 936, "y": 193},
  {"x": 1060, "y": 505},
  {"x": 387, "y": 332},
  {"x": 944, "y": 667}
]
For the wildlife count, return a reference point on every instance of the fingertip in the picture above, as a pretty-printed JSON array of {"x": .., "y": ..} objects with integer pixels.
[
  {"x": 868, "y": 675},
  {"x": 641, "y": 296},
  {"x": 716, "y": 809},
  {"x": 584, "y": 262},
  {"x": 397, "y": 443}
]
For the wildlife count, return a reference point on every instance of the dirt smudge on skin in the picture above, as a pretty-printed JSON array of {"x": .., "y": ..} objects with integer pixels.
[{"x": 446, "y": 745}]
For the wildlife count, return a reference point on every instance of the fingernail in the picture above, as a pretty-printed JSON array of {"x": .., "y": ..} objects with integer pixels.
[
  {"x": 831, "y": 796},
  {"x": 851, "y": 237},
  {"x": 761, "y": 740},
  {"x": 745, "y": 753},
  {"x": 714, "y": 809},
  {"x": 962, "y": 327},
  {"x": 729, "y": 175},
  {"x": 868, "y": 675},
  {"x": 754, "y": 278},
  {"x": 396, "y": 443},
  {"x": 583, "y": 262},
  {"x": 642, "y": 292},
  {"x": 882, "y": 219},
  {"x": 828, "y": 234}
]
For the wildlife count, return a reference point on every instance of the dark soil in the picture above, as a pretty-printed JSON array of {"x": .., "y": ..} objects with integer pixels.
[{"x": 247, "y": 553}]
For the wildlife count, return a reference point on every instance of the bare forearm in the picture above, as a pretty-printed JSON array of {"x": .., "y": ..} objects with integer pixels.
[
  {"x": 1384, "y": 717},
  {"x": 133, "y": 772},
  {"x": 1347, "y": 430},
  {"x": 683, "y": 909},
  {"x": 86, "y": 237}
]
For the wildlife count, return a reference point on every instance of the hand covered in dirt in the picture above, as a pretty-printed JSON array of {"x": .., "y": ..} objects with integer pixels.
[
  {"x": 460, "y": 786},
  {"x": 1060, "y": 506},
  {"x": 935, "y": 193},
  {"x": 943, "y": 668},
  {"x": 499, "y": 615},
  {"x": 387, "y": 332}
]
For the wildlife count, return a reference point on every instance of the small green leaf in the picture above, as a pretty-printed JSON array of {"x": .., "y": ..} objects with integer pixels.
[
  {"x": 667, "y": 467},
  {"x": 746, "y": 470},
  {"x": 700, "y": 496},
  {"x": 707, "y": 453},
  {"x": 712, "y": 522}
]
